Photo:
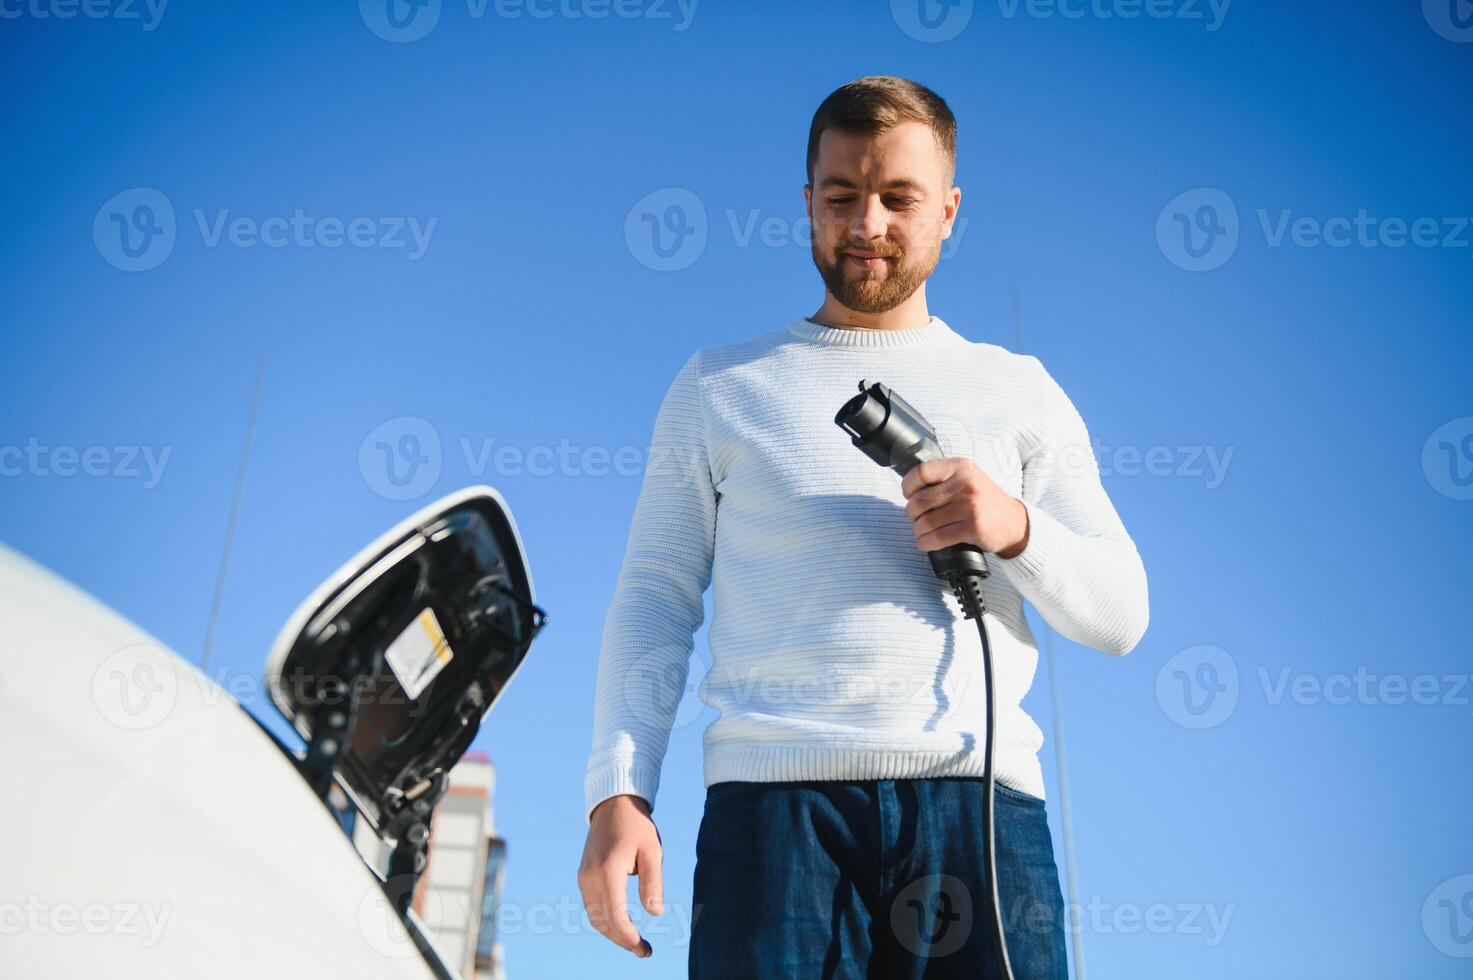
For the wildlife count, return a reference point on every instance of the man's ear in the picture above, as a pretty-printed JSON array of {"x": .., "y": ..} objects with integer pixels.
[{"x": 953, "y": 204}]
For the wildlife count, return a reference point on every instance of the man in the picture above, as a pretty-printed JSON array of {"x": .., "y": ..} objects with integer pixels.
[{"x": 842, "y": 835}]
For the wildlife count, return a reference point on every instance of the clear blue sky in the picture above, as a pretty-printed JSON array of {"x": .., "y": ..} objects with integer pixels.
[{"x": 1318, "y": 814}]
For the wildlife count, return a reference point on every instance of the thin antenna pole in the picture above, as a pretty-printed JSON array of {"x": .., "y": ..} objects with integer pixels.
[
  {"x": 240, "y": 478},
  {"x": 1056, "y": 703}
]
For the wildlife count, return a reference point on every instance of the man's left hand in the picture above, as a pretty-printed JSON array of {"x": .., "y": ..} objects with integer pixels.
[{"x": 951, "y": 501}]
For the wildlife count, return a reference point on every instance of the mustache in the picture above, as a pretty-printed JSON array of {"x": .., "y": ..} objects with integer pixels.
[{"x": 883, "y": 253}]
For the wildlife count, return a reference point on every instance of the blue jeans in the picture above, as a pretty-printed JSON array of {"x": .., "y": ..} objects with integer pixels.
[{"x": 870, "y": 879}]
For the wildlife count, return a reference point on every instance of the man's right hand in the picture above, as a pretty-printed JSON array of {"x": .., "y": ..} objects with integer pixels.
[{"x": 622, "y": 841}]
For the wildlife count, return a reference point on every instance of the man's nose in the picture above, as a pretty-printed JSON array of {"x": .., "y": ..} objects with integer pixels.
[{"x": 871, "y": 220}]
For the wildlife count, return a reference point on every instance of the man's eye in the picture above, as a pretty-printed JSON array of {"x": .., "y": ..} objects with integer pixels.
[{"x": 903, "y": 202}]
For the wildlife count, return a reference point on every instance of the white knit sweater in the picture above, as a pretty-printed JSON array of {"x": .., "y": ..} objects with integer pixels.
[{"x": 836, "y": 653}]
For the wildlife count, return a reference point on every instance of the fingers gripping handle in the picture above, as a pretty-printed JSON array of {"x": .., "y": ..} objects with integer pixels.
[{"x": 892, "y": 433}]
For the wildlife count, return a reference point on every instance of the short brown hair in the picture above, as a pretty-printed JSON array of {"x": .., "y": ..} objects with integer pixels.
[{"x": 876, "y": 104}]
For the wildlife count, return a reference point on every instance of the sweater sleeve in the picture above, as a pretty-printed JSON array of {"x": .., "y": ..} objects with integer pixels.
[
  {"x": 649, "y": 630},
  {"x": 1080, "y": 568}
]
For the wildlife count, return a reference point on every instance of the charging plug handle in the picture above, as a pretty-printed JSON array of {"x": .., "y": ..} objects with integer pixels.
[
  {"x": 892, "y": 433},
  {"x": 889, "y": 431}
]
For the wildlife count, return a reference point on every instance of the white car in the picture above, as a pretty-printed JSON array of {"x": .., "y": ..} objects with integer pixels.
[{"x": 151, "y": 827}]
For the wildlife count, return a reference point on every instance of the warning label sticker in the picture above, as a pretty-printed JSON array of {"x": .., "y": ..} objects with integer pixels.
[{"x": 419, "y": 654}]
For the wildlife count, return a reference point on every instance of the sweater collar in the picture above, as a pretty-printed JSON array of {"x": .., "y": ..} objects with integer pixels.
[{"x": 862, "y": 337}]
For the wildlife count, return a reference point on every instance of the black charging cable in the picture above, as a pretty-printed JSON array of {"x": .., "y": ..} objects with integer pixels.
[{"x": 894, "y": 434}]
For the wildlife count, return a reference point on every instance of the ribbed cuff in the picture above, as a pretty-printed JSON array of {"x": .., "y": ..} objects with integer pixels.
[
  {"x": 618, "y": 779},
  {"x": 1028, "y": 570}
]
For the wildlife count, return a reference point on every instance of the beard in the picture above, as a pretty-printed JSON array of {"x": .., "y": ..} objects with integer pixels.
[{"x": 875, "y": 290}]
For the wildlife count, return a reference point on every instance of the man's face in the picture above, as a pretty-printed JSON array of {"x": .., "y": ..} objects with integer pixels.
[{"x": 880, "y": 208}]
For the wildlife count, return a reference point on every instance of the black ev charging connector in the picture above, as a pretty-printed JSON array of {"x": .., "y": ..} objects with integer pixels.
[{"x": 893, "y": 434}]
